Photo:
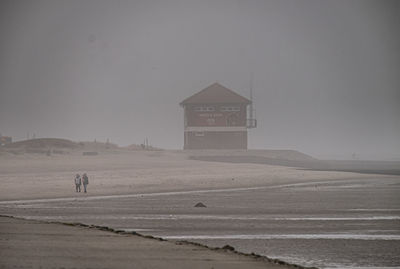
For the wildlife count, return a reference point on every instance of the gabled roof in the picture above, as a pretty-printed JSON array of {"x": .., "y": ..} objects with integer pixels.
[{"x": 215, "y": 93}]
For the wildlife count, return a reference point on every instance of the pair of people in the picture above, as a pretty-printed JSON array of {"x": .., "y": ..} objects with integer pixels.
[{"x": 79, "y": 181}]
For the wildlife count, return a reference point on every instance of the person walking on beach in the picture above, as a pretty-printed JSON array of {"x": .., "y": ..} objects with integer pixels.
[
  {"x": 85, "y": 181},
  {"x": 78, "y": 183}
]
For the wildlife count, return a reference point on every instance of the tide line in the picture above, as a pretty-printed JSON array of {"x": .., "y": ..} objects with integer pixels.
[
  {"x": 155, "y": 194},
  {"x": 285, "y": 236}
]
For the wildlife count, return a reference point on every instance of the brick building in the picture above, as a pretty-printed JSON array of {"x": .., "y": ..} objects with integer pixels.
[{"x": 215, "y": 118}]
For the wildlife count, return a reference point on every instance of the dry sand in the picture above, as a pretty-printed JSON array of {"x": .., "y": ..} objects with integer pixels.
[{"x": 40, "y": 176}]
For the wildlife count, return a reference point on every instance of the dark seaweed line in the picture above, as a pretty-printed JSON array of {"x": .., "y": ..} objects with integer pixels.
[{"x": 226, "y": 248}]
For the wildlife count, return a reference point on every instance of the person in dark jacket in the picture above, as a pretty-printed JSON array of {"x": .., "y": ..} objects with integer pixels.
[
  {"x": 85, "y": 181},
  {"x": 78, "y": 183}
]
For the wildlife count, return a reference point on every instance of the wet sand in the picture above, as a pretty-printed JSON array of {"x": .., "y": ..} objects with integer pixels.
[
  {"x": 348, "y": 223},
  {"x": 32, "y": 244}
]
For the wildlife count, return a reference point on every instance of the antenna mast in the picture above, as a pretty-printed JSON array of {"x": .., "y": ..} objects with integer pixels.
[
  {"x": 251, "y": 121},
  {"x": 251, "y": 95}
]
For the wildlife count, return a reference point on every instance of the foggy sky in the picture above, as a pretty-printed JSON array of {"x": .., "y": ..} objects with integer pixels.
[{"x": 326, "y": 74}]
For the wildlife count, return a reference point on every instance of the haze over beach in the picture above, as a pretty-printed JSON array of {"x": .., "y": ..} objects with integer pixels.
[
  {"x": 214, "y": 134},
  {"x": 325, "y": 74}
]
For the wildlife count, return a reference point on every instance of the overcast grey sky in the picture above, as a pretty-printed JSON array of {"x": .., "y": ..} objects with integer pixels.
[{"x": 326, "y": 73}]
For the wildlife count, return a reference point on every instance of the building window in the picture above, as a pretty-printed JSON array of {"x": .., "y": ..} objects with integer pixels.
[
  {"x": 210, "y": 121},
  {"x": 204, "y": 109},
  {"x": 230, "y": 108}
]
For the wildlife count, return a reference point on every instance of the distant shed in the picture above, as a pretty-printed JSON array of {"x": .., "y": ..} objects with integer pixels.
[
  {"x": 5, "y": 140},
  {"x": 215, "y": 118}
]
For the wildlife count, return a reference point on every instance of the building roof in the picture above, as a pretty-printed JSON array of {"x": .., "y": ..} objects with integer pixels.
[{"x": 215, "y": 93}]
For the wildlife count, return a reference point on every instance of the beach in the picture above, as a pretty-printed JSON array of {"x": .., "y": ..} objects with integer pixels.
[
  {"x": 33, "y": 244},
  {"x": 36, "y": 176},
  {"x": 326, "y": 219}
]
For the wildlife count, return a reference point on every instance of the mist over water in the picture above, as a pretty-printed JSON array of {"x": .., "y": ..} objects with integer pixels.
[{"x": 325, "y": 73}]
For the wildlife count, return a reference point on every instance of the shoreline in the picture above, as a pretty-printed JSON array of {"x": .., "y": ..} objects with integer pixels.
[
  {"x": 363, "y": 167},
  {"x": 263, "y": 261},
  {"x": 85, "y": 197}
]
